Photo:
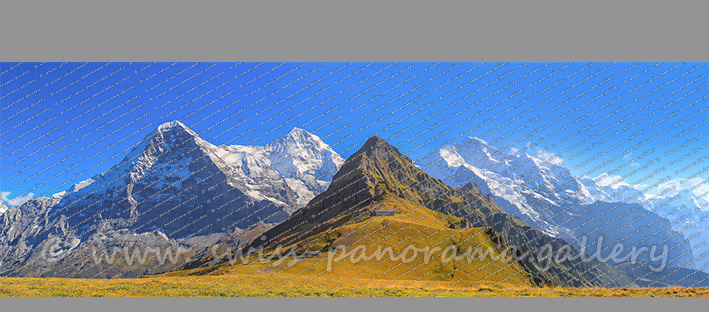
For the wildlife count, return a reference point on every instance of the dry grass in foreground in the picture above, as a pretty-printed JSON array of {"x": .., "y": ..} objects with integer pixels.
[{"x": 249, "y": 285}]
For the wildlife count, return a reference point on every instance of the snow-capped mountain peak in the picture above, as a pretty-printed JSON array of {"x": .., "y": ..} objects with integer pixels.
[
  {"x": 539, "y": 190},
  {"x": 173, "y": 125},
  {"x": 297, "y": 139},
  {"x": 175, "y": 187}
]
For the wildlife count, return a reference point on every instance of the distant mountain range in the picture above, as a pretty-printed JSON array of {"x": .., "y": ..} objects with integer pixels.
[
  {"x": 178, "y": 191},
  {"x": 544, "y": 194}
]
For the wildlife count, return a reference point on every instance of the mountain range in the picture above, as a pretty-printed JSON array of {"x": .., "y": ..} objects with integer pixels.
[
  {"x": 176, "y": 191},
  {"x": 544, "y": 194}
]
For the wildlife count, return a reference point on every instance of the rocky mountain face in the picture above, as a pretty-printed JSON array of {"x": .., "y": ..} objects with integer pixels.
[
  {"x": 378, "y": 171},
  {"x": 544, "y": 194},
  {"x": 173, "y": 194}
]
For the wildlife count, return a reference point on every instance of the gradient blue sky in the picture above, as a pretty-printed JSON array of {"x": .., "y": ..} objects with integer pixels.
[{"x": 93, "y": 112}]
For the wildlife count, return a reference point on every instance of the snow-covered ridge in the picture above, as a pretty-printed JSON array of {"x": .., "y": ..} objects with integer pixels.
[
  {"x": 540, "y": 191},
  {"x": 305, "y": 162}
]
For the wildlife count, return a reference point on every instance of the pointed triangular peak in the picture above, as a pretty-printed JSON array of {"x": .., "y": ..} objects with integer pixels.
[
  {"x": 378, "y": 148},
  {"x": 175, "y": 131},
  {"x": 170, "y": 142},
  {"x": 297, "y": 138},
  {"x": 303, "y": 135},
  {"x": 302, "y": 152},
  {"x": 376, "y": 155},
  {"x": 383, "y": 167},
  {"x": 374, "y": 142},
  {"x": 299, "y": 131},
  {"x": 169, "y": 135},
  {"x": 175, "y": 125}
]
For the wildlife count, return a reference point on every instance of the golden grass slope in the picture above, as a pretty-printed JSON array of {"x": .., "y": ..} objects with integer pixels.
[{"x": 380, "y": 252}]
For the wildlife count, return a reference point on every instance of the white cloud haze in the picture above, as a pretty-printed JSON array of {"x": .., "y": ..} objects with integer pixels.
[{"x": 18, "y": 200}]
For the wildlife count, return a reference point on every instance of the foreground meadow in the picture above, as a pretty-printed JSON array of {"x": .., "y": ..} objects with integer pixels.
[{"x": 247, "y": 282}]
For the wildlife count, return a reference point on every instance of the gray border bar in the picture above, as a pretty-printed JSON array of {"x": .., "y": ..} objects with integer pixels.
[{"x": 363, "y": 30}]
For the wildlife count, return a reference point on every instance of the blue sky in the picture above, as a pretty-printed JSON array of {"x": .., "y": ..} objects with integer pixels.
[{"x": 64, "y": 122}]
